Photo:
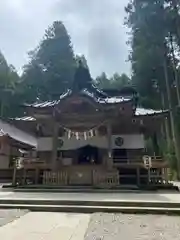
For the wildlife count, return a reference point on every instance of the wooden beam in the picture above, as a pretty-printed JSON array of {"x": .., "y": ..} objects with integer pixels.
[
  {"x": 55, "y": 145},
  {"x": 14, "y": 175},
  {"x": 36, "y": 175},
  {"x": 109, "y": 140},
  {"x": 24, "y": 176},
  {"x": 138, "y": 176}
]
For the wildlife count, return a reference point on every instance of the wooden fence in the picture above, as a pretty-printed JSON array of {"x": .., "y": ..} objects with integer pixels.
[{"x": 55, "y": 178}]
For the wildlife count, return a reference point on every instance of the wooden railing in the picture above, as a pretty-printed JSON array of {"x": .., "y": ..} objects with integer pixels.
[
  {"x": 105, "y": 179},
  {"x": 34, "y": 163},
  {"x": 156, "y": 161},
  {"x": 97, "y": 175},
  {"x": 55, "y": 178}
]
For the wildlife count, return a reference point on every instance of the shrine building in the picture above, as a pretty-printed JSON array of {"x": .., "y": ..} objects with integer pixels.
[{"x": 90, "y": 137}]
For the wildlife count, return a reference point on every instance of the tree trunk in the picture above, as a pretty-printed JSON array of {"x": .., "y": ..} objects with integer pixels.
[
  {"x": 172, "y": 118},
  {"x": 175, "y": 70},
  {"x": 174, "y": 4},
  {"x": 166, "y": 124},
  {"x": 55, "y": 145},
  {"x": 109, "y": 139},
  {"x": 2, "y": 109}
]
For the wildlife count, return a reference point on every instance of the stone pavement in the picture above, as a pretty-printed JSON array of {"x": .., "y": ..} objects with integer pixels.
[
  {"x": 9, "y": 215},
  {"x": 72, "y": 226},
  {"x": 104, "y": 226},
  {"x": 97, "y": 226},
  {"x": 143, "y": 196},
  {"x": 46, "y": 226}
]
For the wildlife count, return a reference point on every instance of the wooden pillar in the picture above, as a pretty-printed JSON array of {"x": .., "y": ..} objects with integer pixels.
[
  {"x": 165, "y": 125},
  {"x": 165, "y": 134},
  {"x": 104, "y": 159},
  {"x": 54, "y": 145},
  {"x": 36, "y": 175},
  {"x": 138, "y": 175},
  {"x": 109, "y": 140},
  {"x": 149, "y": 175},
  {"x": 162, "y": 173},
  {"x": 155, "y": 144},
  {"x": 166, "y": 175},
  {"x": 14, "y": 166},
  {"x": 24, "y": 176},
  {"x": 14, "y": 174}
]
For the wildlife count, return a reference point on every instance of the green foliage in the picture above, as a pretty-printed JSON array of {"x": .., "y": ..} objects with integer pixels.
[
  {"x": 102, "y": 81},
  {"x": 115, "y": 82},
  {"x": 48, "y": 74},
  {"x": 9, "y": 80},
  {"x": 151, "y": 23},
  {"x": 51, "y": 67},
  {"x": 81, "y": 58},
  {"x": 155, "y": 42}
]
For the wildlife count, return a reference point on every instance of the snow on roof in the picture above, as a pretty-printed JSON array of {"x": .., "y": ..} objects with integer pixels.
[
  {"x": 25, "y": 118},
  {"x": 43, "y": 104},
  {"x": 109, "y": 100},
  {"x": 114, "y": 100},
  {"x": 94, "y": 93},
  {"x": 144, "y": 111}
]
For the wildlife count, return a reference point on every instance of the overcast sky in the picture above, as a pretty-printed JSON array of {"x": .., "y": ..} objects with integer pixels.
[{"x": 96, "y": 29}]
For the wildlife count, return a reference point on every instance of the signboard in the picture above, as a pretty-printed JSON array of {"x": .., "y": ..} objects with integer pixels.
[{"x": 147, "y": 161}]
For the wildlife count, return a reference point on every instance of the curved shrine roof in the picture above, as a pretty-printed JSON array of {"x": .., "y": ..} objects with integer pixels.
[
  {"x": 94, "y": 93},
  {"x": 83, "y": 86}
]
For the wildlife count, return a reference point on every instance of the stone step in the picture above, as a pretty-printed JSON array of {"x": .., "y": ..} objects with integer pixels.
[
  {"x": 79, "y": 203},
  {"x": 40, "y": 188},
  {"x": 92, "y": 209},
  {"x": 78, "y": 190},
  {"x": 90, "y": 189}
]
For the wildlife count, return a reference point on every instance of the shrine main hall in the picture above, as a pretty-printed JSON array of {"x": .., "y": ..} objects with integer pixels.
[{"x": 91, "y": 137}]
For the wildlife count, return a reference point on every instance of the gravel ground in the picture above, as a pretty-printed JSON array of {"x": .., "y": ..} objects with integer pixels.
[
  {"x": 7, "y": 215},
  {"x": 104, "y": 226}
]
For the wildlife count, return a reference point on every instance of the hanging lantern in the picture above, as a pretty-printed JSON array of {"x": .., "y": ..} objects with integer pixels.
[
  {"x": 91, "y": 133},
  {"x": 69, "y": 134},
  {"x": 96, "y": 132},
  {"x": 77, "y": 135},
  {"x": 85, "y": 135}
]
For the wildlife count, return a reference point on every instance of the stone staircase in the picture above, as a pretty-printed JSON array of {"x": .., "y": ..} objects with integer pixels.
[{"x": 49, "y": 205}]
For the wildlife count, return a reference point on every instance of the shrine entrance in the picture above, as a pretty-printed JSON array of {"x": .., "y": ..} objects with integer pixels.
[{"x": 88, "y": 155}]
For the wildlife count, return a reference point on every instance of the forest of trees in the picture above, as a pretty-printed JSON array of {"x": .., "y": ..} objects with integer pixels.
[
  {"x": 48, "y": 74},
  {"x": 154, "y": 38},
  {"x": 155, "y": 43}
]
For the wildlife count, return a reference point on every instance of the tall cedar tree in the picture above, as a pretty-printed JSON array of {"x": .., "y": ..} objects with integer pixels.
[
  {"x": 115, "y": 82},
  {"x": 152, "y": 63},
  {"x": 51, "y": 67},
  {"x": 9, "y": 80}
]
